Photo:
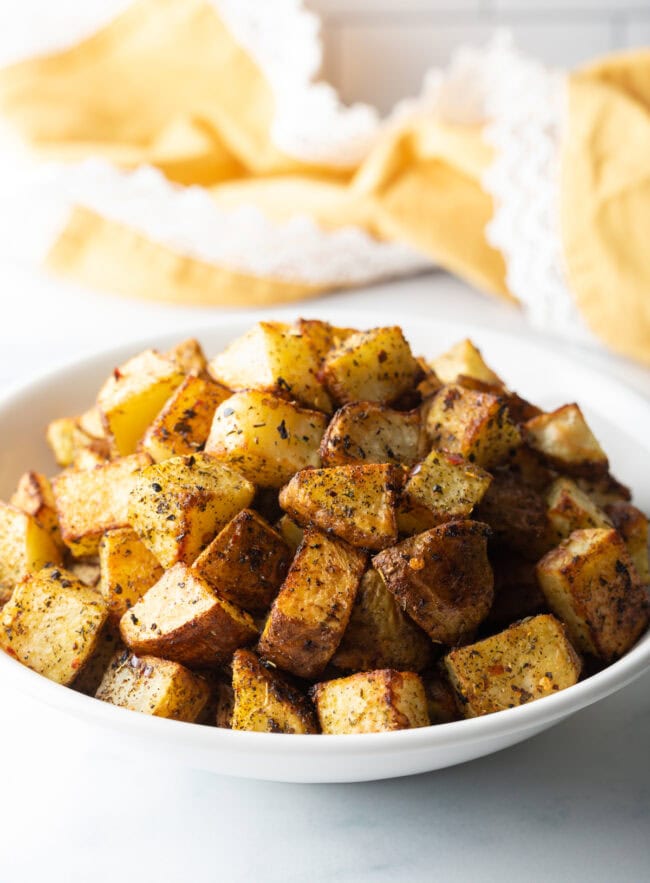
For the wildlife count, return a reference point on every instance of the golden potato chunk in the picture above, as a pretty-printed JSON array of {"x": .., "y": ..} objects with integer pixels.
[
  {"x": 67, "y": 439},
  {"x": 312, "y": 610},
  {"x": 371, "y": 366},
  {"x": 321, "y": 336},
  {"x": 357, "y": 503},
  {"x": 92, "y": 424},
  {"x": 25, "y": 547},
  {"x": 273, "y": 357},
  {"x": 379, "y": 634},
  {"x": 35, "y": 497},
  {"x": 91, "y": 501},
  {"x": 566, "y": 442},
  {"x": 632, "y": 525},
  {"x": 177, "y": 506},
  {"x": 188, "y": 356},
  {"x": 265, "y": 438},
  {"x": 463, "y": 358},
  {"x": 153, "y": 686},
  {"x": 591, "y": 584},
  {"x": 476, "y": 425},
  {"x": 442, "y": 578},
  {"x": 265, "y": 702},
  {"x": 51, "y": 624},
  {"x": 133, "y": 395},
  {"x": 571, "y": 509},
  {"x": 127, "y": 570},
  {"x": 367, "y": 432},
  {"x": 183, "y": 425},
  {"x": 246, "y": 562},
  {"x": 527, "y": 661},
  {"x": 371, "y": 702}
]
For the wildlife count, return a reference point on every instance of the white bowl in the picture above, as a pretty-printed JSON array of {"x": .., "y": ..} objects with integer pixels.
[{"x": 621, "y": 420}]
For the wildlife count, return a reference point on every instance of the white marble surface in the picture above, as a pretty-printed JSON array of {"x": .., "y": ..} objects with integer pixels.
[{"x": 573, "y": 803}]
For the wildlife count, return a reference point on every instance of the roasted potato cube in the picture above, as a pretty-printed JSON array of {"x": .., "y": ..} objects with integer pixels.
[
  {"x": 519, "y": 409},
  {"x": 127, "y": 570},
  {"x": 531, "y": 659},
  {"x": 516, "y": 512},
  {"x": 265, "y": 438},
  {"x": 290, "y": 532},
  {"x": 177, "y": 506},
  {"x": 154, "y": 686},
  {"x": 109, "y": 642},
  {"x": 91, "y": 501},
  {"x": 357, "y": 503},
  {"x": 442, "y": 578},
  {"x": 565, "y": 441},
  {"x": 632, "y": 525},
  {"x": 25, "y": 547},
  {"x": 188, "y": 356},
  {"x": 246, "y": 562},
  {"x": 516, "y": 591},
  {"x": 463, "y": 358},
  {"x": 88, "y": 458},
  {"x": 321, "y": 336},
  {"x": 265, "y": 702},
  {"x": 379, "y": 634},
  {"x": 183, "y": 425},
  {"x": 67, "y": 439},
  {"x": 367, "y": 432},
  {"x": 181, "y": 618},
  {"x": 51, "y": 624},
  {"x": 371, "y": 702},
  {"x": 591, "y": 584},
  {"x": 35, "y": 497},
  {"x": 92, "y": 424},
  {"x": 312, "y": 610},
  {"x": 133, "y": 395},
  {"x": 371, "y": 366},
  {"x": 475, "y": 425},
  {"x": 571, "y": 509},
  {"x": 276, "y": 358}
]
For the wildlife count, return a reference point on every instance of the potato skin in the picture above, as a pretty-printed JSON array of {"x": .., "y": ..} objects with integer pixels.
[
  {"x": 367, "y": 432},
  {"x": 442, "y": 578},
  {"x": 517, "y": 515},
  {"x": 564, "y": 439}
]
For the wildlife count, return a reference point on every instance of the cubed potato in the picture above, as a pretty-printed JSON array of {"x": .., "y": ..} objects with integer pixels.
[
  {"x": 466, "y": 359},
  {"x": 182, "y": 619},
  {"x": 177, "y": 506},
  {"x": 51, "y": 624},
  {"x": 312, "y": 610},
  {"x": 565, "y": 441},
  {"x": 265, "y": 701},
  {"x": 371, "y": 702},
  {"x": 516, "y": 591},
  {"x": 127, "y": 570},
  {"x": 109, "y": 642},
  {"x": 66, "y": 439},
  {"x": 188, "y": 356},
  {"x": 519, "y": 409},
  {"x": 154, "y": 686},
  {"x": 632, "y": 525},
  {"x": 371, "y": 366},
  {"x": 591, "y": 584},
  {"x": 35, "y": 497},
  {"x": 379, "y": 634},
  {"x": 527, "y": 661},
  {"x": 88, "y": 458},
  {"x": 442, "y": 706},
  {"x": 133, "y": 395},
  {"x": 321, "y": 336},
  {"x": 367, "y": 432},
  {"x": 571, "y": 509},
  {"x": 25, "y": 547},
  {"x": 91, "y": 501},
  {"x": 442, "y": 578},
  {"x": 183, "y": 425},
  {"x": 265, "y": 438},
  {"x": 246, "y": 562},
  {"x": 290, "y": 532},
  {"x": 92, "y": 424},
  {"x": 357, "y": 503},
  {"x": 516, "y": 512},
  {"x": 475, "y": 425},
  {"x": 273, "y": 357}
]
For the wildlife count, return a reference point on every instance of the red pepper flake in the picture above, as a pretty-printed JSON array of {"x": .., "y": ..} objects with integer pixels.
[{"x": 117, "y": 374}]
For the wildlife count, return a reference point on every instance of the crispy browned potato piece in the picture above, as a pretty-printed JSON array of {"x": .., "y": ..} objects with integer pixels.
[
  {"x": 463, "y": 358},
  {"x": 109, "y": 642},
  {"x": 516, "y": 591},
  {"x": 519, "y": 409},
  {"x": 357, "y": 503},
  {"x": 182, "y": 619},
  {"x": 51, "y": 624},
  {"x": 527, "y": 661},
  {"x": 25, "y": 547},
  {"x": 516, "y": 512},
  {"x": 430, "y": 383},
  {"x": 441, "y": 699},
  {"x": 632, "y": 525},
  {"x": 183, "y": 425},
  {"x": 565, "y": 440},
  {"x": 312, "y": 610},
  {"x": 246, "y": 562},
  {"x": 67, "y": 439},
  {"x": 177, "y": 506},
  {"x": 475, "y": 425},
  {"x": 379, "y": 634},
  {"x": 127, "y": 570},
  {"x": 265, "y": 702},
  {"x": 571, "y": 509},
  {"x": 371, "y": 702},
  {"x": 591, "y": 584},
  {"x": 321, "y": 336},
  {"x": 91, "y": 501},
  {"x": 367, "y": 432},
  {"x": 188, "y": 356},
  {"x": 35, "y": 497},
  {"x": 371, "y": 366},
  {"x": 265, "y": 438},
  {"x": 154, "y": 686},
  {"x": 442, "y": 578}
]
